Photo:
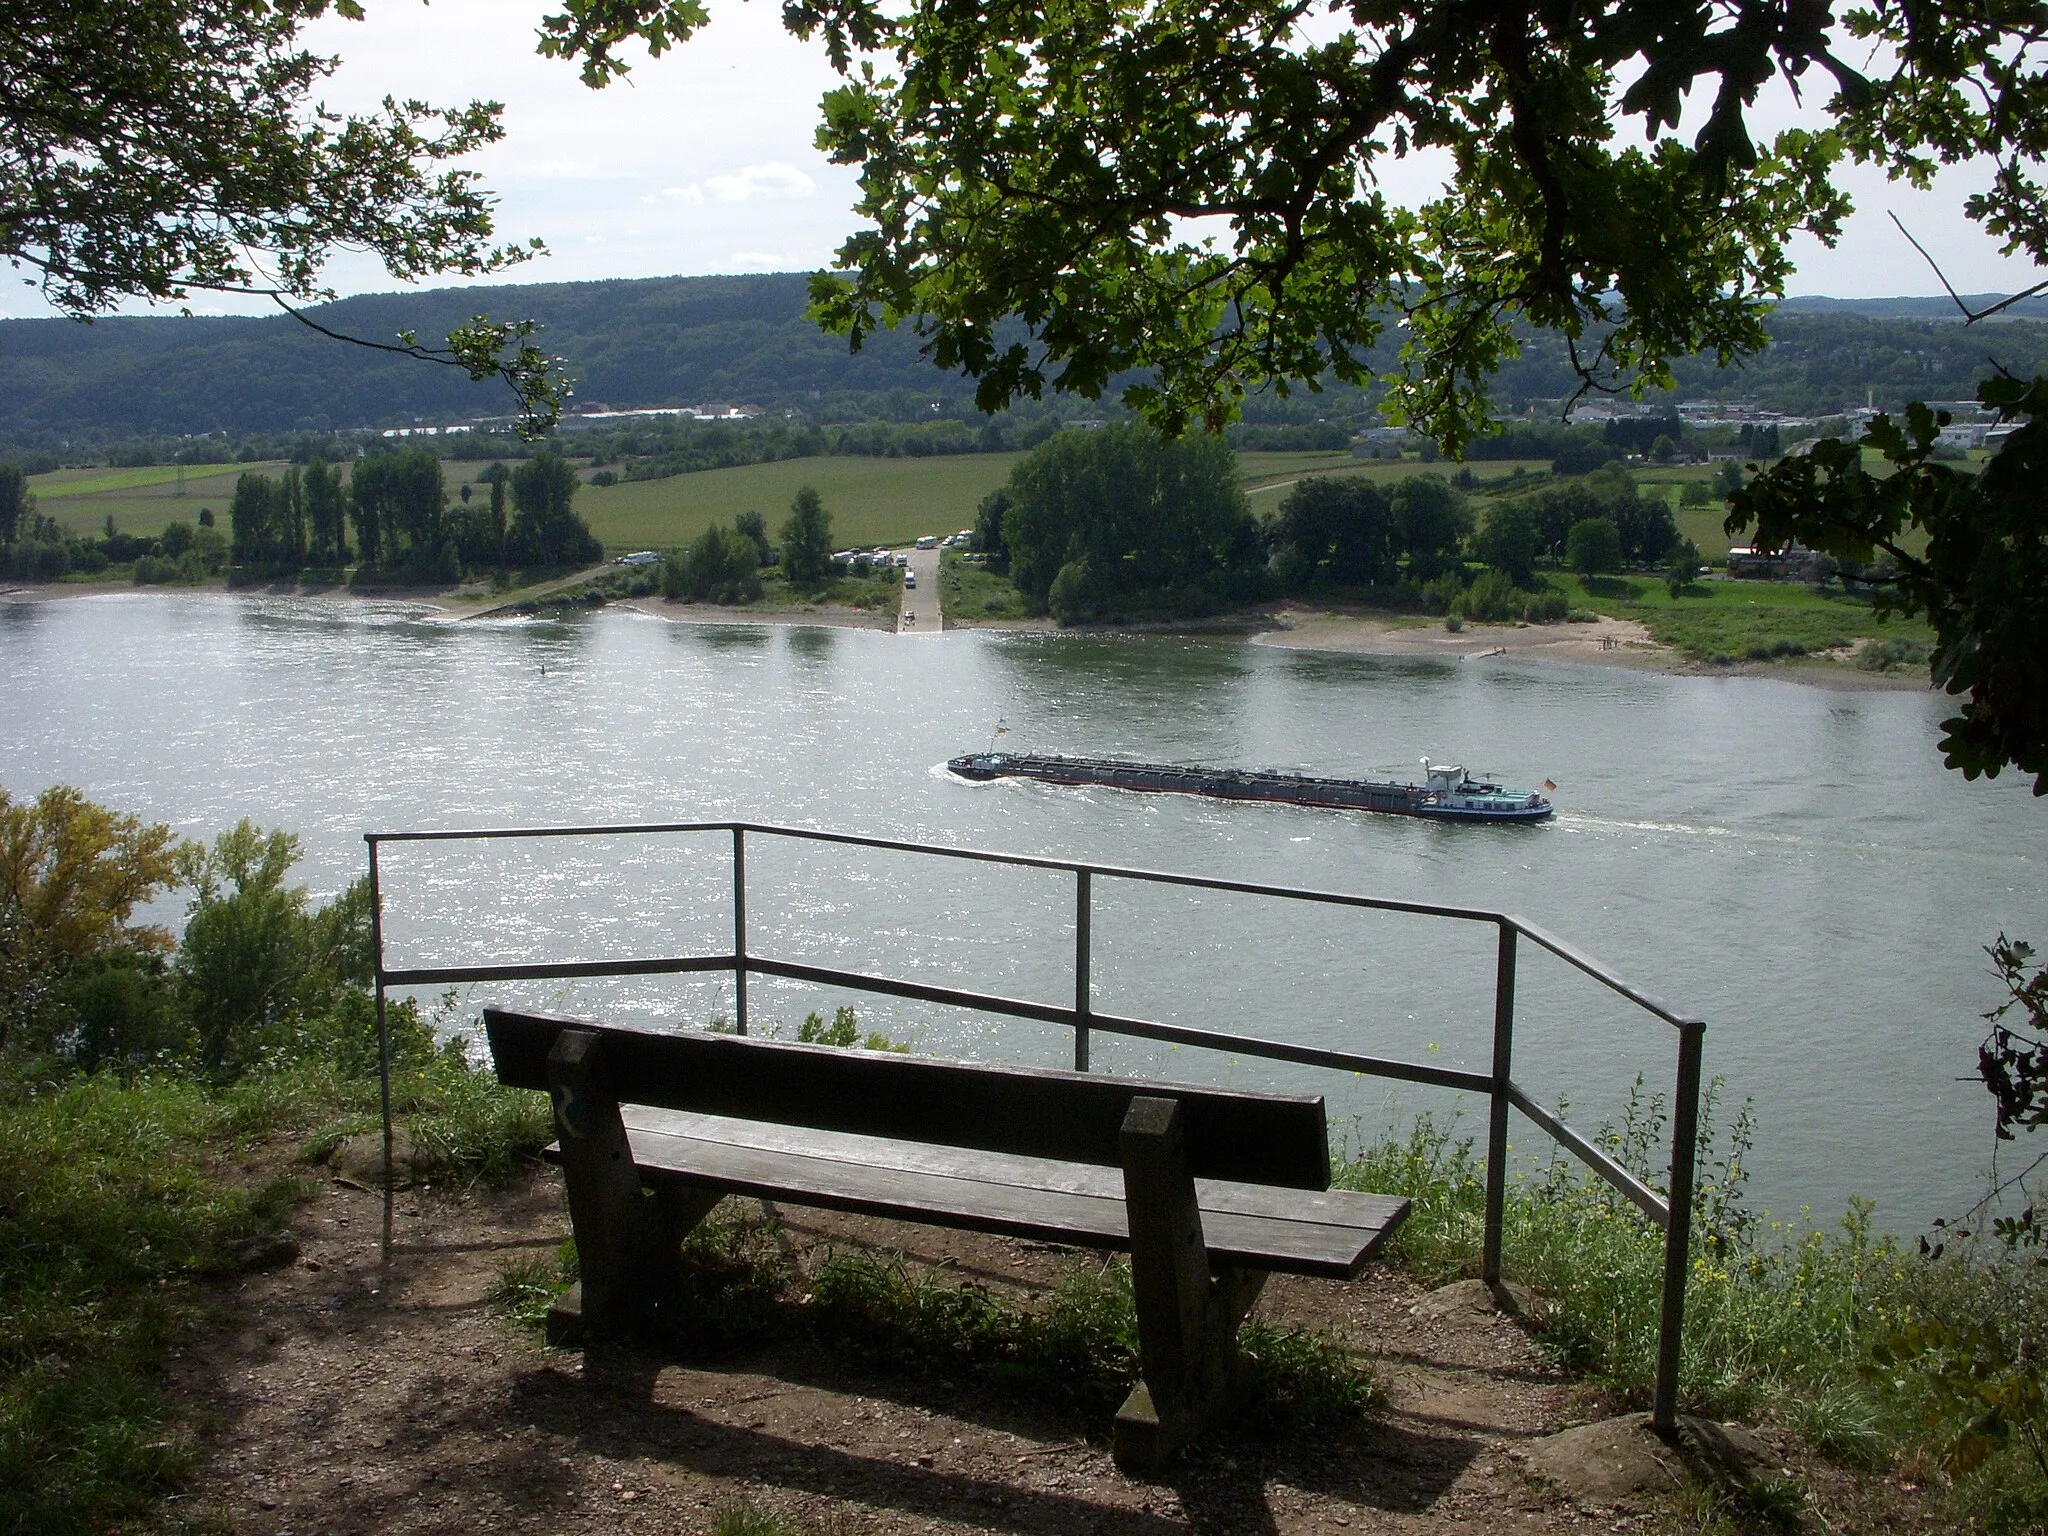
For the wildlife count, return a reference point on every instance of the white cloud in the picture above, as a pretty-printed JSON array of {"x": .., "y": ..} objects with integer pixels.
[{"x": 771, "y": 182}]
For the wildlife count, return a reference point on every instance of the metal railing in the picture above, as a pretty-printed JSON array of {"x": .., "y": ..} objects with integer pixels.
[{"x": 1672, "y": 1213}]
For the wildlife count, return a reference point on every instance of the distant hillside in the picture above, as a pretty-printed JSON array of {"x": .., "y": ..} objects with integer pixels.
[
  {"x": 653, "y": 341},
  {"x": 1933, "y": 307},
  {"x": 731, "y": 340}
]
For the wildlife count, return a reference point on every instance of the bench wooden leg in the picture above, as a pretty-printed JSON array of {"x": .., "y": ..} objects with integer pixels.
[
  {"x": 1187, "y": 1316},
  {"x": 613, "y": 1217}
]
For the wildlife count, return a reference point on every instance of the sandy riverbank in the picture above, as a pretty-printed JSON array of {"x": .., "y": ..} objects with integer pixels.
[
  {"x": 1604, "y": 643},
  {"x": 1289, "y": 626}
]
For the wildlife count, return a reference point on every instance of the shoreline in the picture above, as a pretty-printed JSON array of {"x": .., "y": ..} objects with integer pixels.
[{"x": 1607, "y": 642}]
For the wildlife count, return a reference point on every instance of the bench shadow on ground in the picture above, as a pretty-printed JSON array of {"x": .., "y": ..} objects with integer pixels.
[{"x": 618, "y": 1408}]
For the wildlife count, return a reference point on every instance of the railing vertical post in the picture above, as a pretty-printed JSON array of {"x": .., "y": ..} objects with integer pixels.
[
  {"x": 739, "y": 927},
  {"x": 1499, "y": 1105},
  {"x": 1685, "y": 1123},
  {"x": 1083, "y": 911},
  {"x": 383, "y": 1038}
]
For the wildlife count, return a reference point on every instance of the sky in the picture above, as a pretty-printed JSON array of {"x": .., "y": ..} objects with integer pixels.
[{"x": 703, "y": 161}]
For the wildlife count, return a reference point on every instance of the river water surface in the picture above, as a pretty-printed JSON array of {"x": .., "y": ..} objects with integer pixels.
[{"x": 1789, "y": 862}]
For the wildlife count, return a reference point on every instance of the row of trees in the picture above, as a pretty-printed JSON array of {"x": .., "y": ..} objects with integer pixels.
[
  {"x": 724, "y": 565},
  {"x": 399, "y": 506},
  {"x": 1120, "y": 519}
]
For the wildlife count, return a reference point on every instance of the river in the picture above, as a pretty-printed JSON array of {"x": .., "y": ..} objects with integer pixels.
[{"x": 1789, "y": 862}]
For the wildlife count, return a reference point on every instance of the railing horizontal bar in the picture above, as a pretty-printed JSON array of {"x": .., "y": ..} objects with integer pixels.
[
  {"x": 970, "y": 855},
  {"x": 1572, "y": 955},
  {"x": 497, "y": 834},
  {"x": 1146, "y": 1029},
  {"x": 553, "y": 970},
  {"x": 1647, "y": 1199},
  {"x": 1151, "y": 876}
]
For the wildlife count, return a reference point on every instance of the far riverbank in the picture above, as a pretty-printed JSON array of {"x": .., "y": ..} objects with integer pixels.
[{"x": 1606, "y": 642}]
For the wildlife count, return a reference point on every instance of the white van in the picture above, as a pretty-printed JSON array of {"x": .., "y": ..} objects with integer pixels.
[{"x": 928, "y": 541}]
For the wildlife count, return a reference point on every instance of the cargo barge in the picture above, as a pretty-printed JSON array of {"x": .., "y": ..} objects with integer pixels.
[{"x": 1447, "y": 792}]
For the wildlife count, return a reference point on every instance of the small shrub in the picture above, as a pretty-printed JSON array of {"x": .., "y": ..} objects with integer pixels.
[
  {"x": 1454, "y": 622},
  {"x": 843, "y": 1031},
  {"x": 1891, "y": 654},
  {"x": 528, "y": 1286}
]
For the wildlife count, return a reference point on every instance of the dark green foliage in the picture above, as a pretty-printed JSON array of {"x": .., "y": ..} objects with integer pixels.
[
  {"x": 1433, "y": 519},
  {"x": 1338, "y": 531},
  {"x": 546, "y": 532},
  {"x": 989, "y": 538},
  {"x": 14, "y": 500},
  {"x": 40, "y": 551},
  {"x": 1980, "y": 577},
  {"x": 1116, "y": 512},
  {"x": 843, "y": 1032},
  {"x": 326, "y": 503},
  {"x": 718, "y": 567},
  {"x": 753, "y": 527},
  {"x": 1685, "y": 565},
  {"x": 1645, "y": 526},
  {"x": 1593, "y": 547},
  {"x": 806, "y": 540},
  {"x": 1507, "y": 540}
]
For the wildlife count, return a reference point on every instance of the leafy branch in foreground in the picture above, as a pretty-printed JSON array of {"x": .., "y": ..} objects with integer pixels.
[
  {"x": 1970, "y": 550},
  {"x": 1194, "y": 192},
  {"x": 154, "y": 151}
]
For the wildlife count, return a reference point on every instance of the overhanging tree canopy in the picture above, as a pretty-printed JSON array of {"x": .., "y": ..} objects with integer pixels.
[
  {"x": 1064, "y": 163},
  {"x": 157, "y": 148}
]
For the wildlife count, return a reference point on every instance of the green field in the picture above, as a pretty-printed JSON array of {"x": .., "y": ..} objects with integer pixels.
[
  {"x": 872, "y": 501},
  {"x": 139, "y": 500},
  {"x": 1268, "y": 473}
]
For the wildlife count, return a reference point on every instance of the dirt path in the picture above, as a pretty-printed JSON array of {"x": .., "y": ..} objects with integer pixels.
[{"x": 340, "y": 1396}]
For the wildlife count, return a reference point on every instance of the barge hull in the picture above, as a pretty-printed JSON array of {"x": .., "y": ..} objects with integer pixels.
[{"x": 1487, "y": 802}]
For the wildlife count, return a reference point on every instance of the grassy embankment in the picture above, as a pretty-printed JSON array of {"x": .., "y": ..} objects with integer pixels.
[
  {"x": 1733, "y": 621},
  {"x": 119, "y": 1197},
  {"x": 971, "y": 594}
]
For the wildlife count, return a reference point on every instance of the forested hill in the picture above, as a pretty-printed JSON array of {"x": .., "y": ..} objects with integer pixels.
[
  {"x": 656, "y": 341},
  {"x": 732, "y": 340}
]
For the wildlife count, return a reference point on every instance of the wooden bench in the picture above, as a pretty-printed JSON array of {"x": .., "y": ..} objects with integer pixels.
[{"x": 1208, "y": 1189}]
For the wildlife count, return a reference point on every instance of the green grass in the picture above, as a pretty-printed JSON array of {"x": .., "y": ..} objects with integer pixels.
[
  {"x": 1732, "y": 621},
  {"x": 872, "y": 501},
  {"x": 140, "y": 501},
  {"x": 886, "y": 501},
  {"x": 109, "y": 1206},
  {"x": 117, "y": 1198},
  {"x": 973, "y": 594},
  {"x": 1268, "y": 475},
  {"x": 1785, "y": 1322}
]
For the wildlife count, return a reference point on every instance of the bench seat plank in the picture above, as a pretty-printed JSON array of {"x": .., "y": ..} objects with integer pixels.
[{"x": 1327, "y": 1233}]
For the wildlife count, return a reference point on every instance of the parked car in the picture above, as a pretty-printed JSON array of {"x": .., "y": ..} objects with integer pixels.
[{"x": 909, "y": 580}]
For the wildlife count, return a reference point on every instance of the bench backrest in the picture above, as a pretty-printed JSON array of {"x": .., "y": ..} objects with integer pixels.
[{"x": 1253, "y": 1138}]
